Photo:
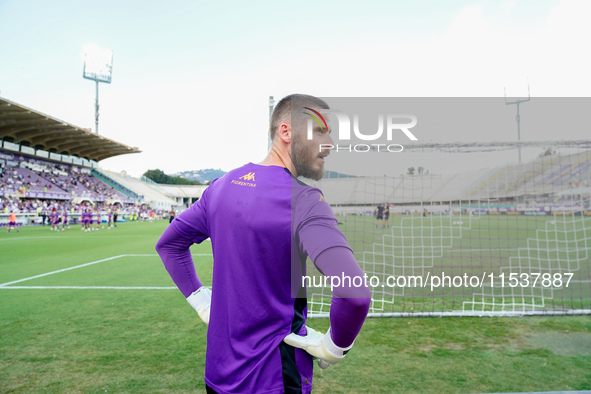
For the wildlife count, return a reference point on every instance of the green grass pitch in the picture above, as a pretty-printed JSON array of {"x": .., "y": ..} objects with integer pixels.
[
  {"x": 475, "y": 246},
  {"x": 97, "y": 312}
]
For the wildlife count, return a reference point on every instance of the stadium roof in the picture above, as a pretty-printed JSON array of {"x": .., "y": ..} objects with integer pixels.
[{"x": 25, "y": 126}]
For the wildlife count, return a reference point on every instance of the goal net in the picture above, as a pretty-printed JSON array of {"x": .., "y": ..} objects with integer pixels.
[{"x": 462, "y": 228}]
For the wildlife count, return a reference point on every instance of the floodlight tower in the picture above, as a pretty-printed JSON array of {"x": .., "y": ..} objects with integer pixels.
[
  {"x": 271, "y": 106},
  {"x": 518, "y": 118},
  {"x": 98, "y": 67}
]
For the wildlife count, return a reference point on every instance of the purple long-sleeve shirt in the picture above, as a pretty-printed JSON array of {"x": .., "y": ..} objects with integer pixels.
[{"x": 263, "y": 225}]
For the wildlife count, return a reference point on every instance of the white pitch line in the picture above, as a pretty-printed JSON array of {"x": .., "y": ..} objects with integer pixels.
[
  {"x": 62, "y": 270},
  {"x": 23, "y": 238},
  {"x": 474, "y": 250},
  {"x": 56, "y": 237},
  {"x": 7, "y": 284},
  {"x": 95, "y": 287},
  {"x": 155, "y": 255}
]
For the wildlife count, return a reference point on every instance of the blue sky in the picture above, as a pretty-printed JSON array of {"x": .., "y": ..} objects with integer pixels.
[{"x": 191, "y": 79}]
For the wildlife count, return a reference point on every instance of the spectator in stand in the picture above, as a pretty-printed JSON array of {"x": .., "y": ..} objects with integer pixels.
[{"x": 43, "y": 216}]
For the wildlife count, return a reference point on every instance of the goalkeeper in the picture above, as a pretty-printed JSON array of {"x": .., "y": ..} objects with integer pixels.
[{"x": 263, "y": 224}]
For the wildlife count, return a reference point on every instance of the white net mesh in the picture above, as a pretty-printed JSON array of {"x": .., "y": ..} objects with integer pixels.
[{"x": 513, "y": 239}]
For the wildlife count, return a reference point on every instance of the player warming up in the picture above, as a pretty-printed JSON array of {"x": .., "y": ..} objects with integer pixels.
[
  {"x": 65, "y": 220},
  {"x": 12, "y": 222},
  {"x": 55, "y": 219},
  {"x": 263, "y": 224}
]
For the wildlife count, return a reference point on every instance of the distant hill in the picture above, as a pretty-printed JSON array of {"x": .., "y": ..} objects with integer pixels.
[
  {"x": 159, "y": 176},
  {"x": 208, "y": 175},
  {"x": 203, "y": 176}
]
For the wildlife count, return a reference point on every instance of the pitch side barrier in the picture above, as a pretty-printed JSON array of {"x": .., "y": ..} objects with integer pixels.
[{"x": 25, "y": 219}]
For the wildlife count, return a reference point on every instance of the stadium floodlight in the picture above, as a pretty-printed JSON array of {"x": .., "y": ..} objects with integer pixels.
[
  {"x": 98, "y": 67},
  {"x": 518, "y": 117},
  {"x": 271, "y": 106}
]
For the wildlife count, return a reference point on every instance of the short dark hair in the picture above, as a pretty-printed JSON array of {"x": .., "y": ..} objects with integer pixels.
[{"x": 283, "y": 111}]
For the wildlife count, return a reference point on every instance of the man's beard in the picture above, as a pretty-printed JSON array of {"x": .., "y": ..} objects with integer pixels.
[{"x": 302, "y": 160}]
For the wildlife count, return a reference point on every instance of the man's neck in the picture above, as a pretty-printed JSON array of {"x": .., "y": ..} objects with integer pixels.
[{"x": 277, "y": 157}]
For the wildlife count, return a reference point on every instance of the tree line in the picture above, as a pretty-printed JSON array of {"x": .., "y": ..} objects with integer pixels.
[{"x": 159, "y": 176}]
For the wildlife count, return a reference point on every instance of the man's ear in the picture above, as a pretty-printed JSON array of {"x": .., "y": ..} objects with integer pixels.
[{"x": 284, "y": 133}]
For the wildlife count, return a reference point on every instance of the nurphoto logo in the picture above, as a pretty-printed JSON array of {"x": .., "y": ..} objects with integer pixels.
[{"x": 392, "y": 124}]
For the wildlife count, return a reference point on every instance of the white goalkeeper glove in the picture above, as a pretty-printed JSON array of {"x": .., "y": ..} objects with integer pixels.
[
  {"x": 318, "y": 345},
  {"x": 200, "y": 300}
]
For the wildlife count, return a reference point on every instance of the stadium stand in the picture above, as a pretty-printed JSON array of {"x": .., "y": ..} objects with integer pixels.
[
  {"x": 27, "y": 177},
  {"x": 45, "y": 159},
  {"x": 543, "y": 180},
  {"x": 147, "y": 194},
  {"x": 46, "y": 163},
  {"x": 543, "y": 176},
  {"x": 183, "y": 195},
  {"x": 40, "y": 132}
]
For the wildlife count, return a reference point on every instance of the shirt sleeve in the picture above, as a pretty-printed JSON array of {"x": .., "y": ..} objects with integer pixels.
[
  {"x": 176, "y": 256},
  {"x": 351, "y": 295},
  {"x": 173, "y": 246},
  {"x": 320, "y": 238},
  {"x": 317, "y": 226}
]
